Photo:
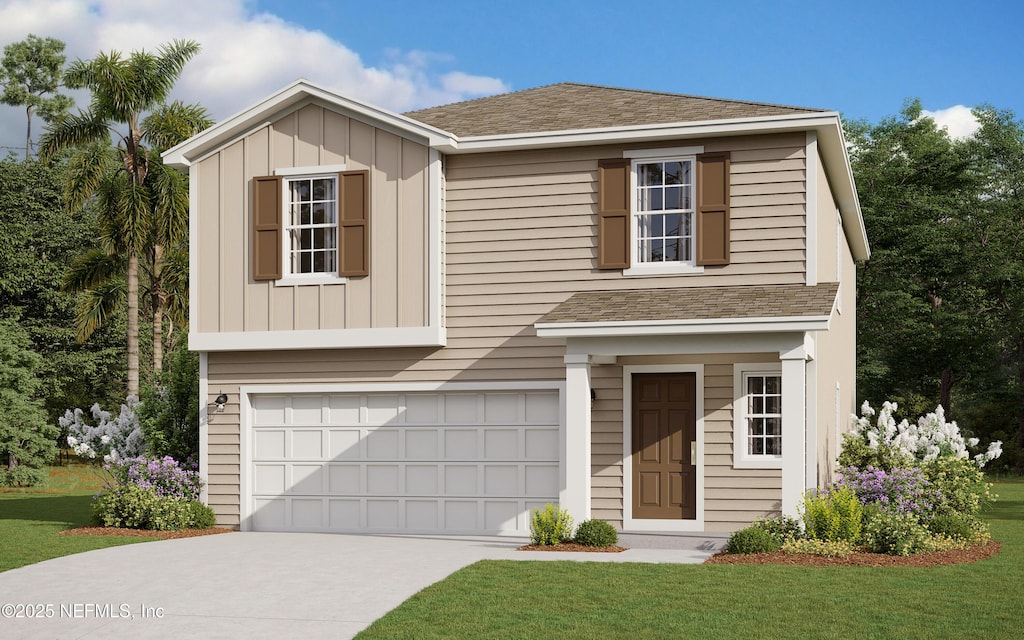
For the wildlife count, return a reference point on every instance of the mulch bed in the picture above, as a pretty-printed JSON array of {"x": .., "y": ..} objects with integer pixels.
[
  {"x": 143, "y": 533},
  {"x": 858, "y": 559},
  {"x": 570, "y": 546}
]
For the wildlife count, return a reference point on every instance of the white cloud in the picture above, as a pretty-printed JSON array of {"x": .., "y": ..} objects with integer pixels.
[
  {"x": 957, "y": 120},
  {"x": 245, "y": 55}
]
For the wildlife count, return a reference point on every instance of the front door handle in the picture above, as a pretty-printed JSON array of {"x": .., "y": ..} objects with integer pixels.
[{"x": 693, "y": 453}]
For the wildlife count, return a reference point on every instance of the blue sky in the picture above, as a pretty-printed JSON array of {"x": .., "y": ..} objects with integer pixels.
[{"x": 862, "y": 59}]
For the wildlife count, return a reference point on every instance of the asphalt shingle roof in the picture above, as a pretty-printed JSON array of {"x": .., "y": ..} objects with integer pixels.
[
  {"x": 696, "y": 303},
  {"x": 569, "y": 106}
]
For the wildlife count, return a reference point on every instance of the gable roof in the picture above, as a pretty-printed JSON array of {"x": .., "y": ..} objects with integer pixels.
[
  {"x": 570, "y": 106},
  {"x": 692, "y": 310}
]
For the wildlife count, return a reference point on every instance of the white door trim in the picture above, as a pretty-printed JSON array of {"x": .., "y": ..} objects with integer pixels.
[{"x": 629, "y": 523}]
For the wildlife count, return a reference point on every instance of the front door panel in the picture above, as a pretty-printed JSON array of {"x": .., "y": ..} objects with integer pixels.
[{"x": 664, "y": 426}]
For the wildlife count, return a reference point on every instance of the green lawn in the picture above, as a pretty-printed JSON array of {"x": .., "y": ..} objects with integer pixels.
[
  {"x": 30, "y": 518},
  {"x": 510, "y": 599}
]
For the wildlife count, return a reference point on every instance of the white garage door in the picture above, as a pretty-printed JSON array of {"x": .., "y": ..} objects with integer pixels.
[{"x": 466, "y": 462}]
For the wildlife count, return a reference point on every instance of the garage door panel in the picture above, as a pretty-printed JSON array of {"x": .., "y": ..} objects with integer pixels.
[{"x": 442, "y": 461}]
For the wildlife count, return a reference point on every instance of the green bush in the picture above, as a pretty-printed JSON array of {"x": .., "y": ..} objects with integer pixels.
[
  {"x": 857, "y": 453},
  {"x": 782, "y": 528},
  {"x": 833, "y": 515},
  {"x": 753, "y": 539},
  {"x": 596, "y": 533},
  {"x": 952, "y": 525},
  {"x": 130, "y": 506},
  {"x": 961, "y": 483},
  {"x": 894, "y": 533},
  {"x": 550, "y": 526}
]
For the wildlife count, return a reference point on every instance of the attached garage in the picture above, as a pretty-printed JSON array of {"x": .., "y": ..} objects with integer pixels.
[{"x": 452, "y": 461}]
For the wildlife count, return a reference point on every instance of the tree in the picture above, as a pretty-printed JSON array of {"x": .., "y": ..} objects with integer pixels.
[
  {"x": 30, "y": 70},
  {"x": 140, "y": 204},
  {"x": 39, "y": 240},
  {"x": 170, "y": 408},
  {"x": 920, "y": 331},
  {"x": 27, "y": 438}
]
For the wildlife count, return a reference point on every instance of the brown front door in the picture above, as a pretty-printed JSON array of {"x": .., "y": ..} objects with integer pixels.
[{"x": 664, "y": 428}]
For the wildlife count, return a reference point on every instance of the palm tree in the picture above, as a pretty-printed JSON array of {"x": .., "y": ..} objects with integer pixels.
[{"x": 143, "y": 206}]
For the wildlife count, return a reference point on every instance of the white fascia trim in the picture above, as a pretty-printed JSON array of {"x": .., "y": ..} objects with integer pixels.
[
  {"x": 629, "y": 523},
  {"x": 300, "y": 91},
  {"x": 811, "y": 208},
  {"x": 662, "y": 153},
  {"x": 204, "y": 424},
  {"x": 641, "y": 133},
  {"x": 317, "y": 339},
  {"x": 680, "y": 327},
  {"x": 193, "y": 243},
  {"x": 307, "y": 171}
]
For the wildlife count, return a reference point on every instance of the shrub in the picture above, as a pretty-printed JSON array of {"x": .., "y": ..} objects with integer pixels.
[
  {"x": 200, "y": 515},
  {"x": 782, "y": 528},
  {"x": 829, "y": 549},
  {"x": 959, "y": 527},
  {"x": 753, "y": 539},
  {"x": 111, "y": 438},
  {"x": 128, "y": 506},
  {"x": 894, "y": 533},
  {"x": 550, "y": 526},
  {"x": 961, "y": 485},
  {"x": 596, "y": 533},
  {"x": 164, "y": 476},
  {"x": 904, "y": 490},
  {"x": 169, "y": 414},
  {"x": 832, "y": 515}
]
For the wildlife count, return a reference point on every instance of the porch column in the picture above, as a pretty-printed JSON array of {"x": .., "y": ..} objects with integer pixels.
[
  {"x": 575, "y": 445},
  {"x": 794, "y": 424}
]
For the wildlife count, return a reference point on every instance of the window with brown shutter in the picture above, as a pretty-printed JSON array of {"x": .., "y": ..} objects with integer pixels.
[{"x": 713, "y": 209}]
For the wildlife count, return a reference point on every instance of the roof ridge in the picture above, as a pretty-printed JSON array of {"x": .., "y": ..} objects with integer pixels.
[{"x": 688, "y": 95}]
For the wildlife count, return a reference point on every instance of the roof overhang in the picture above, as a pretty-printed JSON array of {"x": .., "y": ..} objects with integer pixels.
[
  {"x": 680, "y": 327},
  {"x": 293, "y": 97}
]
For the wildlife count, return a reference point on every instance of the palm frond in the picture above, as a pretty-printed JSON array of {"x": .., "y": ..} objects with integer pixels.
[
  {"x": 92, "y": 269},
  {"x": 96, "y": 306},
  {"x": 175, "y": 281},
  {"x": 85, "y": 171},
  {"x": 132, "y": 213},
  {"x": 72, "y": 130},
  {"x": 169, "y": 190},
  {"x": 171, "y": 124}
]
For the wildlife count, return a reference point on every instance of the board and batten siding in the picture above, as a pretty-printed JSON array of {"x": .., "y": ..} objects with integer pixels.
[
  {"x": 395, "y": 292},
  {"x": 520, "y": 234}
]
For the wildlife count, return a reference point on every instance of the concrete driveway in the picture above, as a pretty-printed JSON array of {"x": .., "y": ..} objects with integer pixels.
[{"x": 261, "y": 585}]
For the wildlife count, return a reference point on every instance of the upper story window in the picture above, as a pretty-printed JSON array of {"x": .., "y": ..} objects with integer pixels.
[
  {"x": 664, "y": 211},
  {"x": 311, "y": 229}
]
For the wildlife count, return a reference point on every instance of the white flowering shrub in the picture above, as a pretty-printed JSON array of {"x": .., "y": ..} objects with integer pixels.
[
  {"x": 930, "y": 438},
  {"x": 111, "y": 437}
]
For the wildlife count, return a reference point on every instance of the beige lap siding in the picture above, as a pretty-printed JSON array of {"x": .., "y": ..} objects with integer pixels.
[{"x": 732, "y": 497}]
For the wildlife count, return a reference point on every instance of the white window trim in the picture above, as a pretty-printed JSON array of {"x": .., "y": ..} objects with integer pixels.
[
  {"x": 740, "y": 458},
  {"x": 289, "y": 279},
  {"x": 629, "y": 523},
  {"x": 637, "y": 268}
]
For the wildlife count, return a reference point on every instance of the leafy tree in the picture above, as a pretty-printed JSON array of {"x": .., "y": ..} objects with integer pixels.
[
  {"x": 39, "y": 240},
  {"x": 30, "y": 70},
  {"x": 26, "y": 436},
  {"x": 142, "y": 205},
  {"x": 170, "y": 408}
]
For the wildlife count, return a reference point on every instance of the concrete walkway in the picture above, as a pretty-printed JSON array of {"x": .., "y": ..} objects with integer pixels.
[{"x": 263, "y": 585}]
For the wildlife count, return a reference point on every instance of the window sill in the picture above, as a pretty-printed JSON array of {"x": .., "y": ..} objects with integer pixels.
[
  {"x": 299, "y": 281},
  {"x": 671, "y": 269},
  {"x": 768, "y": 462}
]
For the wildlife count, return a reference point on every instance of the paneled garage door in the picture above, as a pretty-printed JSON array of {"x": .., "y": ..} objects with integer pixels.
[{"x": 451, "y": 461}]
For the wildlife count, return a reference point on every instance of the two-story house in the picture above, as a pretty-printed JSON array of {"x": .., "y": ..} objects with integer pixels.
[{"x": 636, "y": 304}]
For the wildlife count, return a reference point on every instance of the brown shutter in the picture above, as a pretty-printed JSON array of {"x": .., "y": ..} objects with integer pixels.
[
  {"x": 354, "y": 223},
  {"x": 266, "y": 225},
  {"x": 713, "y": 209},
  {"x": 613, "y": 213}
]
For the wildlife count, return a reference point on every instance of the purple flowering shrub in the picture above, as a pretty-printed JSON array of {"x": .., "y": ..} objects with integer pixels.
[
  {"x": 899, "y": 490},
  {"x": 164, "y": 476}
]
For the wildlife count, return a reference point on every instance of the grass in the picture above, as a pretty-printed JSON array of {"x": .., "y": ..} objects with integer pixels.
[
  {"x": 31, "y": 517},
  {"x": 502, "y": 599}
]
